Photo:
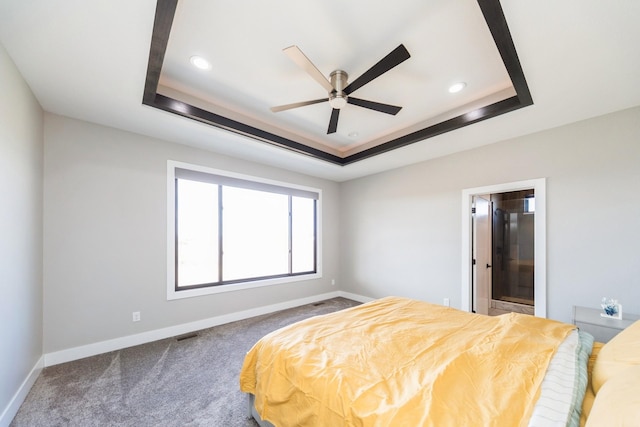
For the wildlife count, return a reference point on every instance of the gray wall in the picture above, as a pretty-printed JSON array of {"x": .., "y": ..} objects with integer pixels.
[
  {"x": 21, "y": 139},
  {"x": 105, "y": 246},
  {"x": 402, "y": 228}
]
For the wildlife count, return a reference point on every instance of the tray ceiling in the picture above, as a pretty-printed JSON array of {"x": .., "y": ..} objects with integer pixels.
[
  {"x": 88, "y": 60},
  {"x": 449, "y": 42}
]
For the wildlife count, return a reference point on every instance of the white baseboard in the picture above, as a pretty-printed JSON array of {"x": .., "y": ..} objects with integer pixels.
[
  {"x": 81, "y": 352},
  {"x": 14, "y": 405},
  {"x": 355, "y": 297}
]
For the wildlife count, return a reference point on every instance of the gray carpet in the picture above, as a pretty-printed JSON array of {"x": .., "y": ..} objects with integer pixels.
[{"x": 190, "y": 382}]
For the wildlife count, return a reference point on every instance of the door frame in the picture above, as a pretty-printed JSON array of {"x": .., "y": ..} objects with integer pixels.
[{"x": 539, "y": 239}]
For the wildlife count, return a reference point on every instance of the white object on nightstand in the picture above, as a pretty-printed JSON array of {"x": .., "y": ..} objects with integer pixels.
[{"x": 602, "y": 328}]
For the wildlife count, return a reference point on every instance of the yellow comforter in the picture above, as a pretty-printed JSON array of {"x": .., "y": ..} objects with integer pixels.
[{"x": 401, "y": 362}]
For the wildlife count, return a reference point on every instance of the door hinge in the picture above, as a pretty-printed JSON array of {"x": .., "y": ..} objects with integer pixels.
[
  {"x": 473, "y": 262},
  {"x": 473, "y": 210}
]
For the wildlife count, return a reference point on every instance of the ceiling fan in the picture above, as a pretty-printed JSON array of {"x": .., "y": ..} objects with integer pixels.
[{"x": 338, "y": 89}]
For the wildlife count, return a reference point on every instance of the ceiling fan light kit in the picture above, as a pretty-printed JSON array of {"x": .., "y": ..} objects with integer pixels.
[
  {"x": 339, "y": 90},
  {"x": 337, "y": 101}
]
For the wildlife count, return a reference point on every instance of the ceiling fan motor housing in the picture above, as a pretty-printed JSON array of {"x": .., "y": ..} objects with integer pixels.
[{"x": 337, "y": 97}]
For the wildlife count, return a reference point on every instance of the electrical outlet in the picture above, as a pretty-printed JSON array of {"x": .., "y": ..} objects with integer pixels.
[
  {"x": 446, "y": 302},
  {"x": 136, "y": 316},
  {"x": 333, "y": 282}
]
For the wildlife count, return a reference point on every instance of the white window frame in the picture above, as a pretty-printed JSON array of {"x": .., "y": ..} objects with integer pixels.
[{"x": 172, "y": 293}]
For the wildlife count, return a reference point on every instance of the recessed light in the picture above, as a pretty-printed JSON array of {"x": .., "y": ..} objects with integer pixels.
[
  {"x": 200, "y": 62},
  {"x": 353, "y": 134},
  {"x": 457, "y": 87}
]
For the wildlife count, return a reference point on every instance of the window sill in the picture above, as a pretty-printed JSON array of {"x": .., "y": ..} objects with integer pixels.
[{"x": 172, "y": 294}]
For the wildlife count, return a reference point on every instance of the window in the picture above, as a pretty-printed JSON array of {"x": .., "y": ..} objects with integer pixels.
[
  {"x": 228, "y": 231},
  {"x": 530, "y": 204}
]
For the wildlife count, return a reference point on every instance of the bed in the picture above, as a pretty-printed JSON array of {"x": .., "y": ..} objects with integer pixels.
[{"x": 397, "y": 361}]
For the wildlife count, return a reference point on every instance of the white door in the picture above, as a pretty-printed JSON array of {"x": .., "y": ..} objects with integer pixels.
[{"x": 482, "y": 254}]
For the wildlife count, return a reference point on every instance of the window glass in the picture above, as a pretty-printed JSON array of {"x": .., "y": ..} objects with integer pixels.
[
  {"x": 255, "y": 234},
  {"x": 197, "y": 233},
  {"x": 303, "y": 234}
]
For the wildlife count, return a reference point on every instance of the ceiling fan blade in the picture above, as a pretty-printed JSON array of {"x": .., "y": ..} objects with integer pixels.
[
  {"x": 297, "y": 104},
  {"x": 333, "y": 122},
  {"x": 396, "y": 57},
  {"x": 303, "y": 62},
  {"x": 377, "y": 106}
]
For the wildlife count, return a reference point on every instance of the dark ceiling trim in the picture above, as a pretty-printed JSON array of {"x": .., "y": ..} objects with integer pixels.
[
  {"x": 186, "y": 110},
  {"x": 475, "y": 116},
  {"x": 165, "y": 11},
  {"x": 497, "y": 23},
  {"x": 493, "y": 15}
]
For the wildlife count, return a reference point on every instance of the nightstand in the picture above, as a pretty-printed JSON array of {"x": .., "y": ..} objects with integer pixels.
[{"x": 602, "y": 328}]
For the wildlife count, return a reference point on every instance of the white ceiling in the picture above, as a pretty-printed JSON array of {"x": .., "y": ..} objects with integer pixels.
[
  {"x": 88, "y": 60},
  {"x": 250, "y": 73}
]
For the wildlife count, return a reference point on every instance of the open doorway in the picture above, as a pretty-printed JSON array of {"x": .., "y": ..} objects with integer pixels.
[
  {"x": 474, "y": 299},
  {"x": 503, "y": 263}
]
